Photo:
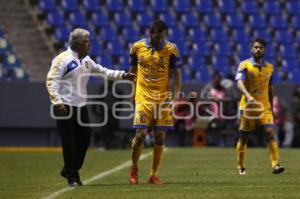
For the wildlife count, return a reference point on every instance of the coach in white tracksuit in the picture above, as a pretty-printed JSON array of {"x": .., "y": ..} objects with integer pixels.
[{"x": 67, "y": 87}]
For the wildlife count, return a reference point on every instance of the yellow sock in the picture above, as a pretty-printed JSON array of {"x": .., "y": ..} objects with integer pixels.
[
  {"x": 136, "y": 152},
  {"x": 273, "y": 151},
  {"x": 158, "y": 151},
  {"x": 241, "y": 154}
]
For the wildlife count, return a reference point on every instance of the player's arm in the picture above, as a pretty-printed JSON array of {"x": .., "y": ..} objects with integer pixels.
[
  {"x": 110, "y": 74},
  {"x": 241, "y": 86},
  {"x": 175, "y": 65},
  {"x": 271, "y": 93},
  {"x": 133, "y": 69},
  {"x": 52, "y": 83},
  {"x": 241, "y": 78},
  {"x": 133, "y": 61},
  {"x": 177, "y": 83}
]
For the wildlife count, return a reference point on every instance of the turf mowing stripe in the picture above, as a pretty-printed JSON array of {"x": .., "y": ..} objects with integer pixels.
[{"x": 97, "y": 177}]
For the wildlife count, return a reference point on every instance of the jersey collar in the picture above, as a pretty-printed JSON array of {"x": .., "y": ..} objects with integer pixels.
[
  {"x": 254, "y": 63},
  {"x": 148, "y": 44}
]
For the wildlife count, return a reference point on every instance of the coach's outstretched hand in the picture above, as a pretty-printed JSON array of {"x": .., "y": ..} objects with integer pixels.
[{"x": 129, "y": 76}]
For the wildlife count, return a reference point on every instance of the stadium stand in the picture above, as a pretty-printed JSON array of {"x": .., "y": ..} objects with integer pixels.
[
  {"x": 210, "y": 34},
  {"x": 24, "y": 34},
  {"x": 10, "y": 65}
]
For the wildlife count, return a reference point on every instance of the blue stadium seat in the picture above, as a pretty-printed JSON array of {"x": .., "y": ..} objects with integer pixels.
[
  {"x": 240, "y": 35},
  {"x": 271, "y": 53},
  {"x": 93, "y": 33},
  {"x": 182, "y": 48},
  {"x": 288, "y": 51},
  {"x": 124, "y": 62},
  {"x": 62, "y": 34},
  {"x": 109, "y": 34},
  {"x": 278, "y": 22},
  {"x": 5, "y": 47},
  {"x": 290, "y": 64},
  {"x": 295, "y": 78},
  {"x": 219, "y": 35},
  {"x": 77, "y": 19},
  {"x": 100, "y": 19},
  {"x": 203, "y": 75},
  {"x": 204, "y": 6},
  {"x": 293, "y": 73},
  {"x": 137, "y": 5},
  {"x": 243, "y": 50},
  {"x": 271, "y": 7},
  {"x": 159, "y": 5},
  {"x": 293, "y": 7},
  {"x": 226, "y": 22},
  {"x": 176, "y": 35},
  {"x": 116, "y": 48},
  {"x": 122, "y": 19},
  {"x": 222, "y": 63},
  {"x": 257, "y": 21},
  {"x": 276, "y": 78},
  {"x": 201, "y": 48},
  {"x": 11, "y": 61},
  {"x": 131, "y": 34},
  {"x": 227, "y": 6},
  {"x": 212, "y": 20},
  {"x": 263, "y": 33},
  {"x": 182, "y": 6},
  {"x": 169, "y": 19},
  {"x": 283, "y": 36},
  {"x": 223, "y": 49},
  {"x": 47, "y": 5},
  {"x": 19, "y": 74},
  {"x": 115, "y": 5},
  {"x": 144, "y": 19},
  {"x": 249, "y": 7},
  {"x": 185, "y": 75},
  {"x": 105, "y": 60},
  {"x": 55, "y": 19},
  {"x": 235, "y": 21},
  {"x": 96, "y": 48},
  {"x": 197, "y": 35},
  {"x": 196, "y": 61},
  {"x": 190, "y": 20},
  {"x": 91, "y": 5},
  {"x": 295, "y": 22},
  {"x": 70, "y": 5}
]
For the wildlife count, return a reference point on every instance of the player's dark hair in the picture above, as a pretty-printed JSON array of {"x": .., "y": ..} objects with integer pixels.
[
  {"x": 158, "y": 26},
  {"x": 259, "y": 40}
]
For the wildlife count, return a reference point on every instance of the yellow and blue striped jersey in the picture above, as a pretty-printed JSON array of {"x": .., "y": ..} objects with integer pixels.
[
  {"x": 153, "y": 69},
  {"x": 257, "y": 79}
]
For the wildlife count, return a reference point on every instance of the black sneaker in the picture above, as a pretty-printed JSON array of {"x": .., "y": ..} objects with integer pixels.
[
  {"x": 242, "y": 171},
  {"x": 64, "y": 173},
  {"x": 72, "y": 177},
  {"x": 74, "y": 182},
  {"x": 277, "y": 169}
]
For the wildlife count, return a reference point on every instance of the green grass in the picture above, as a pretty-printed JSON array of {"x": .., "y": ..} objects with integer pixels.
[{"x": 185, "y": 172}]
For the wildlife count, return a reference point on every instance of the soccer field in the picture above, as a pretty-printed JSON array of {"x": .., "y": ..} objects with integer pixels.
[{"x": 185, "y": 172}]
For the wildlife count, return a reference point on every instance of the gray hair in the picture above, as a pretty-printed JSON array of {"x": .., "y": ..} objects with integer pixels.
[{"x": 77, "y": 36}]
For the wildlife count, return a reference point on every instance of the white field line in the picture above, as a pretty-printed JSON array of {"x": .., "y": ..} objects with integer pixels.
[{"x": 96, "y": 177}]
